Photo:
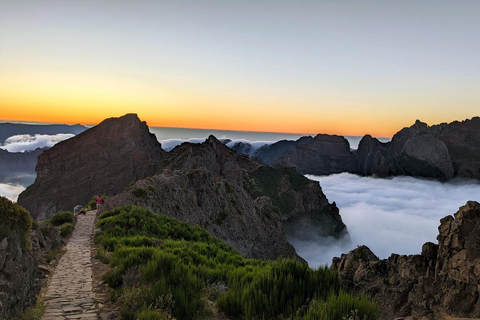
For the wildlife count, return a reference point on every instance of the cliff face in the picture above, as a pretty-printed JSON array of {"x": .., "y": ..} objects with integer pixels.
[
  {"x": 103, "y": 159},
  {"x": 20, "y": 252},
  {"x": 234, "y": 198},
  {"x": 442, "y": 282},
  {"x": 324, "y": 154}
]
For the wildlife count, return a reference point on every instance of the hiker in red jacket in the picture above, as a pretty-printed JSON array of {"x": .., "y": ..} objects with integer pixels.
[{"x": 99, "y": 202}]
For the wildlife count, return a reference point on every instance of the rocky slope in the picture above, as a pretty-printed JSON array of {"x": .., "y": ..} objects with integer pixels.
[
  {"x": 103, "y": 159},
  {"x": 235, "y": 198},
  {"x": 21, "y": 249},
  {"x": 442, "y": 282}
]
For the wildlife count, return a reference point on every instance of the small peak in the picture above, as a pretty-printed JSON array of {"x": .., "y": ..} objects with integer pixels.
[
  {"x": 420, "y": 124},
  {"x": 212, "y": 140}
]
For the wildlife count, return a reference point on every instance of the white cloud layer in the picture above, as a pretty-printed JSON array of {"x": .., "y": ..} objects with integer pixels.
[
  {"x": 249, "y": 148},
  {"x": 26, "y": 142},
  {"x": 396, "y": 215},
  {"x": 10, "y": 191},
  {"x": 169, "y": 144}
]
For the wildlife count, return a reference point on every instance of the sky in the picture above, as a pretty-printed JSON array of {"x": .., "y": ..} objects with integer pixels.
[{"x": 339, "y": 67}]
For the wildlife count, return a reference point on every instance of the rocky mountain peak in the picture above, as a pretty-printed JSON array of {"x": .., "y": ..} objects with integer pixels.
[{"x": 103, "y": 159}]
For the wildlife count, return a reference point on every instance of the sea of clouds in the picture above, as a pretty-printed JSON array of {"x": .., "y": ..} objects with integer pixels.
[
  {"x": 396, "y": 215},
  {"x": 26, "y": 142}
]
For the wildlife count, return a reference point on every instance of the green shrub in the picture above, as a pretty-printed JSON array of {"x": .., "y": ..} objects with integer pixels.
[
  {"x": 14, "y": 219},
  {"x": 342, "y": 306},
  {"x": 60, "y": 218},
  {"x": 140, "y": 192},
  {"x": 66, "y": 230},
  {"x": 153, "y": 256}
]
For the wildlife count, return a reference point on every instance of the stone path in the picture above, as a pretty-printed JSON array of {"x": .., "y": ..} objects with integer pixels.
[{"x": 70, "y": 295}]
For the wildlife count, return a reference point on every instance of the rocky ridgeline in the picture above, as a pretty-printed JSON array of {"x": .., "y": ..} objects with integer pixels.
[
  {"x": 20, "y": 273},
  {"x": 230, "y": 195},
  {"x": 442, "y": 282},
  {"x": 235, "y": 198},
  {"x": 441, "y": 151},
  {"x": 103, "y": 159}
]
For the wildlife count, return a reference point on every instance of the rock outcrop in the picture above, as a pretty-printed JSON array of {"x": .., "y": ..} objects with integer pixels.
[
  {"x": 440, "y": 283},
  {"x": 20, "y": 256},
  {"x": 103, "y": 159},
  {"x": 324, "y": 154},
  {"x": 235, "y": 198}
]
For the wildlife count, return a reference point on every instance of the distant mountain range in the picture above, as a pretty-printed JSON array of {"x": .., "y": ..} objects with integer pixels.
[{"x": 10, "y": 129}]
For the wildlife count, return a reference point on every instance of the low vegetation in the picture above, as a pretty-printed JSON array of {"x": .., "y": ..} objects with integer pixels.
[
  {"x": 162, "y": 269},
  {"x": 60, "y": 218},
  {"x": 15, "y": 222},
  {"x": 66, "y": 230}
]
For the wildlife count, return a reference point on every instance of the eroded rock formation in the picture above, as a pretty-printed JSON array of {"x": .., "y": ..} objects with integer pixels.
[
  {"x": 103, "y": 159},
  {"x": 443, "y": 281}
]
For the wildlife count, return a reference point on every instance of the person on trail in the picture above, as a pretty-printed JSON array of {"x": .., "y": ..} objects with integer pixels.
[
  {"x": 99, "y": 202},
  {"x": 77, "y": 209}
]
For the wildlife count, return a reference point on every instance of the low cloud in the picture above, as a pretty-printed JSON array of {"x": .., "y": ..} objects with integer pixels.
[
  {"x": 396, "y": 215},
  {"x": 26, "y": 142},
  {"x": 169, "y": 144},
  {"x": 248, "y": 147},
  {"x": 10, "y": 191}
]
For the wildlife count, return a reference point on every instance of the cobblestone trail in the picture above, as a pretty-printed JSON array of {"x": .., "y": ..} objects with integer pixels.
[{"x": 70, "y": 295}]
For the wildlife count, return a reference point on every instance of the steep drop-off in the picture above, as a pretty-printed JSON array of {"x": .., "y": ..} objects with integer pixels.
[{"x": 103, "y": 159}]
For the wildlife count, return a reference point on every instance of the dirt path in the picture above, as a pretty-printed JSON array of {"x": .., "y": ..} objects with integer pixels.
[{"x": 70, "y": 295}]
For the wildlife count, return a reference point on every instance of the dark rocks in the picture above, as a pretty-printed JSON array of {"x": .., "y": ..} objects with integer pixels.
[
  {"x": 441, "y": 152},
  {"x": 324, "y": 154},
  {"x": 442, "y": 282},
  {"x": 19, "y": 271},
  {"x": 103, "y": 159}
]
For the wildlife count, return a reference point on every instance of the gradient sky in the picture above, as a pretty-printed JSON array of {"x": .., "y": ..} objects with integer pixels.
[{"x": 345, "y": 67}]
